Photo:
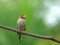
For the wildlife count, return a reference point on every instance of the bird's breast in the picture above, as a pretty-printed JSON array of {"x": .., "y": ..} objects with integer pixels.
[{"x": 21, "y": 22}]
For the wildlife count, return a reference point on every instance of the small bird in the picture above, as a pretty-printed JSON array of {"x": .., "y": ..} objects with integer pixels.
[{"x": 21, "y": 25}]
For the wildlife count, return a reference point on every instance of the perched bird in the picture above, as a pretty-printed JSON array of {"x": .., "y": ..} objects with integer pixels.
[{"x": 20, "y": 25}]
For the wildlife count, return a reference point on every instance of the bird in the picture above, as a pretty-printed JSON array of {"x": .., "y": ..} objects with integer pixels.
[{"x": 20, "y": 25}]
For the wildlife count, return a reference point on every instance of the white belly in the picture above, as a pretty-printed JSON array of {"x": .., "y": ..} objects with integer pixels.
[{"x": 21, "y": 22}]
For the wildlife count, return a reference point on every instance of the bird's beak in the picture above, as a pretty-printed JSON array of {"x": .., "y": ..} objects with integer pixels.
[{"x": 24, "y": 16}]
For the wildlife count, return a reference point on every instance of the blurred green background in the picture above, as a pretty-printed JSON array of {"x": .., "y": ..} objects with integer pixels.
[{"x": 42, "y": 17}]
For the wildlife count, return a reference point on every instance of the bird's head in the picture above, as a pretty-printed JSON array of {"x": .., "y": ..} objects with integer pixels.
[{"x": 22, "y": 16}]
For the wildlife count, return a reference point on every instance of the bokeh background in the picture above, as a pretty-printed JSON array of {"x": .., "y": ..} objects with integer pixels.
[{"x": 42, "y": 17}]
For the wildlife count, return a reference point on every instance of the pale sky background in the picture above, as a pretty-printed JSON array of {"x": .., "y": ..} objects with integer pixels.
[{"x": 52, "y": 15}]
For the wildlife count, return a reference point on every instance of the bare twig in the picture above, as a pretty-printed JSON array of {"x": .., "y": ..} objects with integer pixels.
[{"x": 31, "y": 34}]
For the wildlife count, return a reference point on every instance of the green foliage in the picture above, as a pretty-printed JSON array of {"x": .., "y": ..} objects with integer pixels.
[{"x": 9, "y": 12}]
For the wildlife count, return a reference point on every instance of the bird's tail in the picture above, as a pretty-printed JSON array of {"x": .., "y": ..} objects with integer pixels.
[{"x": 19, "y": 37}]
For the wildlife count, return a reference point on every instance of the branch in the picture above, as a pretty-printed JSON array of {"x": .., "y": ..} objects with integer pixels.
[{"x": 31, "y": 34}]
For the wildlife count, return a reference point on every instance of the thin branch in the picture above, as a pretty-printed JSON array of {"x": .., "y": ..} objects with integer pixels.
[{"x": 31, "y": 34}]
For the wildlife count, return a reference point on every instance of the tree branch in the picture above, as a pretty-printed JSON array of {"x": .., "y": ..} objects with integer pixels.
[{"x": 31, "y": 34}]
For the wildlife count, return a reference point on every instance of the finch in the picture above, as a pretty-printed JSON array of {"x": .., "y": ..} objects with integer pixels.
[{"x": 21, "y": 25}]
